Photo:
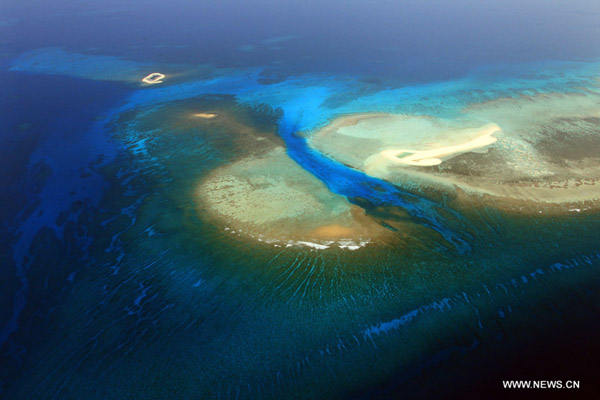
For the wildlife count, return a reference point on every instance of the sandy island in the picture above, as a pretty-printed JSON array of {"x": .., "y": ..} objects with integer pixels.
[
  {"x": 430, "y": 157},
  {"x": 204, "y": 115},
  {"x": 153, "y": 78}
]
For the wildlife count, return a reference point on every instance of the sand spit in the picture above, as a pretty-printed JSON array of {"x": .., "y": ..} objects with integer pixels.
[{"x": 431, "y": 157}]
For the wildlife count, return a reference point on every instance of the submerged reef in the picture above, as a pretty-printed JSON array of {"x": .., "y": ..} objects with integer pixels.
[{"x": 273, "y": 199}]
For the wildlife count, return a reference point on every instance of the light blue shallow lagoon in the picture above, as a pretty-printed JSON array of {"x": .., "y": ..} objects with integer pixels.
[{"x": 359, "y": 199}]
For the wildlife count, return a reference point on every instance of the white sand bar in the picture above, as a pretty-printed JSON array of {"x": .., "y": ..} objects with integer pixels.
[{"x": 431, "y": 157}]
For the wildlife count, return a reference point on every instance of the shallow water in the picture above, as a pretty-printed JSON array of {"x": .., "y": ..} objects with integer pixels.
[{"x": 116, "y": 281}]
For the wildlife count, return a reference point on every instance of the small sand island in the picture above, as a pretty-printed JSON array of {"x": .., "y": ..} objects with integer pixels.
[
  {"x": 430, "y": 157},
  {"x": 204, "y": 115},
  {"x": 153, "y": 78}
]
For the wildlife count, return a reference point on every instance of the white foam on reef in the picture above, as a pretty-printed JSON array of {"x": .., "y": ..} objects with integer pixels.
[
  {"x": 346, "y": 244},
  {"x": 578, "y": 210},
  {"x": 351, "y": 245},
  {"x": 313, "y": 245},
  {"x": 342, "y": 244}
]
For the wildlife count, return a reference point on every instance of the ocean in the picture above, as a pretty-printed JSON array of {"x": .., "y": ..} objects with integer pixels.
[{"x": 217, "y": 235}]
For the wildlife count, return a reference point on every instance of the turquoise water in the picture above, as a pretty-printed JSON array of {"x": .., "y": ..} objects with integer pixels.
[{"x": 117, "y": 284}]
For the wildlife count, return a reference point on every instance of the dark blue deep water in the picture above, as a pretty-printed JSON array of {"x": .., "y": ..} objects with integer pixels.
[{"x": 114, "y": 283}]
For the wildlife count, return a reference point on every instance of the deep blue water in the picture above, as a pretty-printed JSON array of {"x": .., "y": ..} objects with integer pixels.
[
  {"x": 49, "y": 130},
  {"x": 408, "y": 40},
  {"x": 113, "y": 286}
]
